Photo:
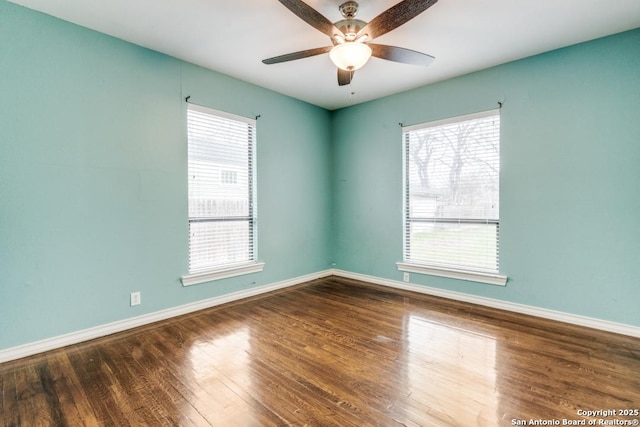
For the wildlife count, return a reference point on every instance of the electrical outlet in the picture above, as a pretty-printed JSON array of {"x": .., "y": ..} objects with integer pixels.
[
  {"x": 405, "y": 277},
  {"x": 136, "y": 298}
]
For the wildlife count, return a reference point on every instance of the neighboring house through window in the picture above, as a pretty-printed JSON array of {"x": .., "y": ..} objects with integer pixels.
[
  {"x": 229, "y": 177},
  {"x": 222, "y": 217}
]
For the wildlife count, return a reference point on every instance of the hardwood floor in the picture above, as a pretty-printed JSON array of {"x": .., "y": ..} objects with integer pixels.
[{"x": 334, "y": 352}]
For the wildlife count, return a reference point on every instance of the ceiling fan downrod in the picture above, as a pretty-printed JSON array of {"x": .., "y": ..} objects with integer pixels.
[
  {"x": 349, "y": 9},
  {"x": 349, "y": 26}
]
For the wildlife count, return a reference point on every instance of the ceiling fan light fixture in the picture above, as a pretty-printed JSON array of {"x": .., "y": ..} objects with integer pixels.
[{"x": 350, "y": 56}]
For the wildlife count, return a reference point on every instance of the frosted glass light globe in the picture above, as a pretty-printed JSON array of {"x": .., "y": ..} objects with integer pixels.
[{"x": 350, "y": 56}]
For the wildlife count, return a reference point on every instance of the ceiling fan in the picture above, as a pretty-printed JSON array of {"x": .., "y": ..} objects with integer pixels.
[{"x": 351, "y": 38}]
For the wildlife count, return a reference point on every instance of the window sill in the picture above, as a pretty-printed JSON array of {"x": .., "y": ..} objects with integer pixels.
[
  {"x": 491, "y": 279},
  {"x": 222, "y": 273}
]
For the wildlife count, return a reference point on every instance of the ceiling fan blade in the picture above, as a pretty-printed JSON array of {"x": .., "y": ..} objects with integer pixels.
[
  {"x": 394, "y": 17},
  {"x": 344, "y": 77},
  {"x": 400, "y": 54},
  {"x": 312, "y": 17},
  {"x": 297, "y": 55}
]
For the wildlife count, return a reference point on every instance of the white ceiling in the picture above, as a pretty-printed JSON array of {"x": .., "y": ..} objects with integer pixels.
[{"x": 233, "y": 36}]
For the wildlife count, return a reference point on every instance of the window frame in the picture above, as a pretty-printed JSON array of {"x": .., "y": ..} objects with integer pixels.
[
  {"x": 441, "y": 270},
  {"x": 227, "y": 270}
]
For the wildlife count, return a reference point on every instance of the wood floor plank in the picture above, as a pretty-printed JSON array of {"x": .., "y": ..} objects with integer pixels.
[
  {"x": 34, "y": 408},
  {"x": 333, "y": 352},
  {"x": 10, "y": 412},
  {"x": 75, "y": 405},
  {"x": 155, "y": 366},
  {"x": 95, "y": 376}
]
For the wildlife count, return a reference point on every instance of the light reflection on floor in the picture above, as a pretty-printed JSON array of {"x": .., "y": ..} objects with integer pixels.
[
  {"x": 472, "y": 356},
  {"x": 221, "y": 369}
]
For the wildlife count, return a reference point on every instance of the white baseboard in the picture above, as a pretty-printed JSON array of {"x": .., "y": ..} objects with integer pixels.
[
  {"x": 123, "y": 325},
  {"x": 103, "y": 330},
  {"x": 574, "y": 319}
]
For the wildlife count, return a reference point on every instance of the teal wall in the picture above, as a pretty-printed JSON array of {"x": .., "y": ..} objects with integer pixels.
[
  {"x": 93, "y": 199},
  {"x": 570, "y": 177}
]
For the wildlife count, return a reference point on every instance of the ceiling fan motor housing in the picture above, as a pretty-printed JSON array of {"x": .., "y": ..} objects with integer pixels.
[{"x": 350, "y": 27}]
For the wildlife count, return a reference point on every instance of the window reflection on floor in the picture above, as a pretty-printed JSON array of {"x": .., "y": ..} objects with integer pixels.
[
  {"x": 221, "y": 371},
  {"x": 433, "y": 350}
]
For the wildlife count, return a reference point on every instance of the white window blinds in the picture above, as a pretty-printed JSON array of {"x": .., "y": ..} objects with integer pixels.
[
  {"x": 452, "y": 193},
  {"x": 221, "y": 167}
]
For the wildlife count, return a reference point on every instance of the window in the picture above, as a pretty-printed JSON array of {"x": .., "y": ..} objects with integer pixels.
[
  {"x": 452, "y": 220},
  {"x": 229, "y": 177},
  {"x": 222, "y": 217}
]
